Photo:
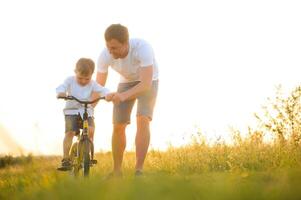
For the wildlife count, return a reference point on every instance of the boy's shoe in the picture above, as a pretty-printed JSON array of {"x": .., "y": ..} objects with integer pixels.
[
  {"x": 138, "y": 173},
  {"x": 93, "y": 162},
  {"x": 65, "y": 165}
]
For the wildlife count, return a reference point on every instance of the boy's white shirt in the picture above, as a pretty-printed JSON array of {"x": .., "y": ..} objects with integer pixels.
[
  {"x": 71, "y": 87},
  {"x": 140, "y": 55}
]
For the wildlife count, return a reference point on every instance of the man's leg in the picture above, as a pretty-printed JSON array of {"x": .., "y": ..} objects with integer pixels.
[
  {"x": 121, "y": 118},
  {"x": 142, "y": 140},
  {"x": 118, "y": 146},
  {"x": 145, "y": 108}
]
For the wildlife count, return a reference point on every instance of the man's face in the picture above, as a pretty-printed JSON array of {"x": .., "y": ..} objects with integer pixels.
[
  {"x": 117, "y": 49},
  {"x": 82, "y": 80}
]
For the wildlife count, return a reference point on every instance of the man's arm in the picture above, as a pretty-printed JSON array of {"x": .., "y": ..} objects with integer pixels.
[
  {"x": 101, "y": 78},
  {"x": 145, "y": 77}
]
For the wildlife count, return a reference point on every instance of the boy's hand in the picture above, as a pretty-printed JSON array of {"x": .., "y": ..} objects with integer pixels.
[{"x": 61, "y": 95}]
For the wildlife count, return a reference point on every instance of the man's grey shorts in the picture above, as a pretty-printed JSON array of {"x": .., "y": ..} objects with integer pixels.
[
  {"x": 146, "y": 103},
  {"x": 74, "y": 123}
]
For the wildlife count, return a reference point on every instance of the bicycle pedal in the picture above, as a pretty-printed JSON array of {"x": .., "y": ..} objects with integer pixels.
[{"x": 93, "y": 162}]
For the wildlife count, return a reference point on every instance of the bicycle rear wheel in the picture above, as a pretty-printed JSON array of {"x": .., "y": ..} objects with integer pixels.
[
  {"x": 75, "y": 158},
  {"x": 86, "y": 157},
  {"x": 75, "y": 170}
]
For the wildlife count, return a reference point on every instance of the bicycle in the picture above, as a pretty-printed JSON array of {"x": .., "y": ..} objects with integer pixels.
[{"x": 82, "y": 152}]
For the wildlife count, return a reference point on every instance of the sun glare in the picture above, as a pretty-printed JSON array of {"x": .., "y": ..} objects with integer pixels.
[{"x": 218, "y": 62}]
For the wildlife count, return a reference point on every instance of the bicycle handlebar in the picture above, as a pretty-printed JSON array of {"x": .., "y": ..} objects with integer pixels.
[{"x": 80, "y": 101}]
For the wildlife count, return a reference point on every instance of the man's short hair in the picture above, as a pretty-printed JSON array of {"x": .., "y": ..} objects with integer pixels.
[
  {"x": 118, "y": 32},
  {"x": 85, "y": 66}
]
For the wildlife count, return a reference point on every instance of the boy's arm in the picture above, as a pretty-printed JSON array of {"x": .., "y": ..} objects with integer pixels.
[
  {"x": 95, "y": 95},
  {"x": 61, "y": 94},
  {"x": 99, "y": 91},
  {"x": 101, "y": 78},
  {"x": 62, "y": 89}
]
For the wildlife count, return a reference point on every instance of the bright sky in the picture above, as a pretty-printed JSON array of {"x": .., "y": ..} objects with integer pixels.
[{"x": 218, "y": 60}]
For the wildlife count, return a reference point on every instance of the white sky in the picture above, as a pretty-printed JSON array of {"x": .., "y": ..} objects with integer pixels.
[{"x": 218, "y": 61}]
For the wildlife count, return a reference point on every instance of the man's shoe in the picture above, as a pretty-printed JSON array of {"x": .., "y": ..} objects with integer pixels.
[
  {"x": 138, "y": 173},
  {"x": 113, "y": 175},
  {"x": 65, "y": 165}
]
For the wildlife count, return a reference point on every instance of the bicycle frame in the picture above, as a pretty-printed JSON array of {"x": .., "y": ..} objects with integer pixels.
[{"x": 83, "y": 149}]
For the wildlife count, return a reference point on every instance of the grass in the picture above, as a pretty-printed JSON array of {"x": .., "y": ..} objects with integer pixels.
[
  {"x": 175, "y": 174},
  {"x": 10, "y": 160}
]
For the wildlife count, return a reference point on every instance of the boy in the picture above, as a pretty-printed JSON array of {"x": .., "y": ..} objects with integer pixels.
[{"x": 82, "y": 87}]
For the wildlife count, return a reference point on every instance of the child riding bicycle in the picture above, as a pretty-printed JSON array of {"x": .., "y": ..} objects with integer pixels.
[{"x": 82, "y": 87}]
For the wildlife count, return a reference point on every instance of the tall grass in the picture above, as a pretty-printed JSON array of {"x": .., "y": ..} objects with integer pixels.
[{"x": 10, "y": 160}]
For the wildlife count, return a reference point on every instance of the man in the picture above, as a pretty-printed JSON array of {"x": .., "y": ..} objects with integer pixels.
[{"x": 134, "y": 60}]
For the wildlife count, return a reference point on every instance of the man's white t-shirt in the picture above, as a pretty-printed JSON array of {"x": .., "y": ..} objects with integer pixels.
[
  {"x": 72, "y": 88},
  {"x": 140, "y": 55}
]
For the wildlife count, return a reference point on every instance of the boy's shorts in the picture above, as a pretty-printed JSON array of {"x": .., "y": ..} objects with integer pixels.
[
  {"x": 146, "y": 103},
  {"x": 75, "y": 123}
]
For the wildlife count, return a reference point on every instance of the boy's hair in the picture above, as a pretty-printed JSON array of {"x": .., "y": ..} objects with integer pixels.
[
  {"x": 85, "y": 66},
  {"x": 118, "y": 32}
]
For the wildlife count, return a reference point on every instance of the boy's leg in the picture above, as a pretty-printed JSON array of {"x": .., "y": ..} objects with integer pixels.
[
  {"x": 91, "y": 128},
  {"x": 66, "y": 161},
  {"x": 91, "y": 133},
  {"x": 67, "y": 143},
  {"x": 71, "y": 129}
]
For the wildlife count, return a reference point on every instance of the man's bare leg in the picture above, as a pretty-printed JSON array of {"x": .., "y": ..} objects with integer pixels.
[
  {"x": 142, "y": 140},
  {"x": 118, "y": 146}
]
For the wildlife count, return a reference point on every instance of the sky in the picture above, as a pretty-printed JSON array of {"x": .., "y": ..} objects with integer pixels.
[{"x": 218, "y": 62}]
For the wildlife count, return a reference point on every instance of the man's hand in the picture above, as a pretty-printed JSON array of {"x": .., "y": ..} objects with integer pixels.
[
  {"x": 110, "y": 96},
  {"x": 118, "y": 97},
  {"x": 62, "y": 94}
]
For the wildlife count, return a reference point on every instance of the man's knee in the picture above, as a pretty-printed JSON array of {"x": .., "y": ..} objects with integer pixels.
[
  {"x": 119, "y": 128},
  {"x": 142, "y": 122}
]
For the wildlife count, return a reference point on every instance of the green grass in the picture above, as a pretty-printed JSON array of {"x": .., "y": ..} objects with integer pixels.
[{"x": 175, "y": 174}]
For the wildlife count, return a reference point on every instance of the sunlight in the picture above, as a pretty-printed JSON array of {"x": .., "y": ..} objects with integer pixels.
[
  {"x": 8, "y": 144},
  {"x": 218, "y": 62}
]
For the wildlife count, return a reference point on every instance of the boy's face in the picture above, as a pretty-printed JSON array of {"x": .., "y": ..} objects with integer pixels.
[
  {"x": 82, "y": 80},
  {"x": 117, "y": 49}
]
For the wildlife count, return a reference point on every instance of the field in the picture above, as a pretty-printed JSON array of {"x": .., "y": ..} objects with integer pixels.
[{"x": 192, "y": 172}]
